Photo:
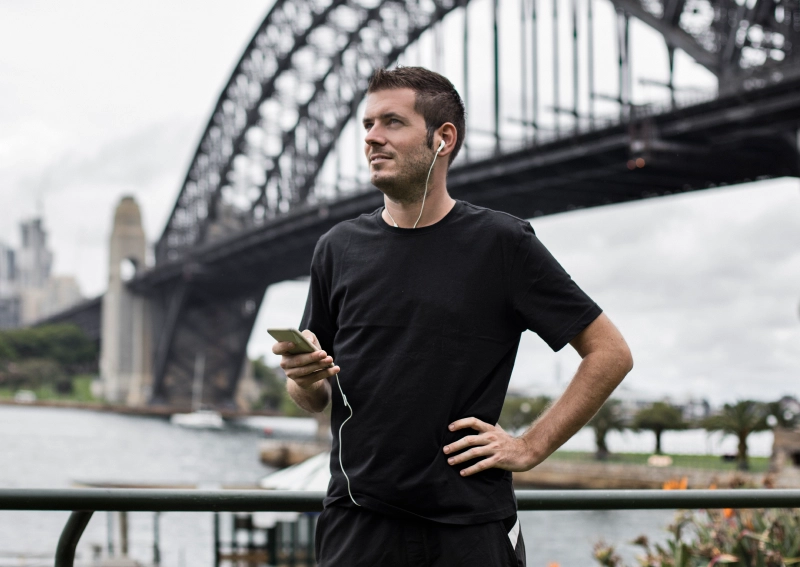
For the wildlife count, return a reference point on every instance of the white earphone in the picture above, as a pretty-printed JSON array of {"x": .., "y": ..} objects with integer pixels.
[{"x": 441, "y": 146}]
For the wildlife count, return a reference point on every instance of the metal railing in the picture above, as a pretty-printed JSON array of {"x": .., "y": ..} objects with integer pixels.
[{"x": 84, "y": 502}]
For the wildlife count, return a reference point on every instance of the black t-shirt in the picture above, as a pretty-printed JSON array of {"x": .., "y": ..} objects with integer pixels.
[{"x": 425, "y": 325}]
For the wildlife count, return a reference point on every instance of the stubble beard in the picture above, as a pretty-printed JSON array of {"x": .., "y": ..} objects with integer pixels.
[{"x": 407, "y": 185}]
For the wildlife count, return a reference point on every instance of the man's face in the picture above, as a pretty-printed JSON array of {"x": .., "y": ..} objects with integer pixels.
[{"x": 395, "y": 145}]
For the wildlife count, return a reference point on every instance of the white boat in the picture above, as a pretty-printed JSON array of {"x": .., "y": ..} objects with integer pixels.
[{"x": 200, "y": 419}]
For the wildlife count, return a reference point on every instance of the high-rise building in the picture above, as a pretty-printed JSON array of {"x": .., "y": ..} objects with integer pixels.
[
  {"x": 9, "y": 298},
  {"x": 40, "y": 295},
  {"x": 34, "y": 258}
]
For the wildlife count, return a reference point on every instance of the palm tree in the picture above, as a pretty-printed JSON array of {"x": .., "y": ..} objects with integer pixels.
[
  {"x": 658, "y": 418},
  {"x": 741, "y": 419},
  {"x": 608, "y": 418}
]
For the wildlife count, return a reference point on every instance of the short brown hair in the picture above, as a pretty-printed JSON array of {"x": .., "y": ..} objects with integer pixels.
[{"x": 436, "y": 98}]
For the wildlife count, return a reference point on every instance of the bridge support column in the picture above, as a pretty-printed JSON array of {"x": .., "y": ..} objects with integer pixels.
[{"x": 126, "y": 353}]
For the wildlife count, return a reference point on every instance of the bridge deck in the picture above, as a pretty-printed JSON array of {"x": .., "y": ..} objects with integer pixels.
[{"x": 735, "y": 139}]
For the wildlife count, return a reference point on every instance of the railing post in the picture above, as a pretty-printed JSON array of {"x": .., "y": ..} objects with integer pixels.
[
  {"x": 156, "y": 539},
  {"x": 217, "y": 541},
  {"x": 280, "y": 556},
  {"x": 110, "y": 533},
  {"x": 73, "y": 530},
  {"x": 310, "y": 551},
  {"x": 123, "y": 533},
  {"x": 293, "y": 547},
  {"x": 272, "y": 544}
]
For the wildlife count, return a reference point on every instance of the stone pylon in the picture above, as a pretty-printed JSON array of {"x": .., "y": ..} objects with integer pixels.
[{"x": 126, "y": 351}]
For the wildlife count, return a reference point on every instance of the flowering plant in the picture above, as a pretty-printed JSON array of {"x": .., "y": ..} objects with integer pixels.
[{"x": 746, "y": 538}]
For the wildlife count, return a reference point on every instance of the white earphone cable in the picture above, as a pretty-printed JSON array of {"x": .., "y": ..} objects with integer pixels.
[
  {"x": 441, "y": 145},
  {"x": 425, "y": 194},
  {"x": 347, "y": 405},
  {"x": 344, "y": 398}
]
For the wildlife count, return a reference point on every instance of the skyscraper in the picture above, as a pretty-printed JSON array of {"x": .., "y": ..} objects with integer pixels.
[
  {"x": 39, "y": 292},
  {"x": 9, "y": 298},
  {"x": 34, "y": 258}
]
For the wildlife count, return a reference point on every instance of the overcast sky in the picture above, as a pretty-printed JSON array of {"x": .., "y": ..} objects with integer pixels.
[{"x": 99, "y": 100}]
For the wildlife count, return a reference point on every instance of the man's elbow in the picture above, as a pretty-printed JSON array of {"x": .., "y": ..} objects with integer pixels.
[{"x": 625, "y": 359}]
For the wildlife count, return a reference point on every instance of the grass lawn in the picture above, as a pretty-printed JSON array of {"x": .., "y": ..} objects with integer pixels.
[{"x": 757, "y": 464}]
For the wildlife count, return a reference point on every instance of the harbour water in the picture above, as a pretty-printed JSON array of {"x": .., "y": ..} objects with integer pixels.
[{"x": 56, "y": 448}]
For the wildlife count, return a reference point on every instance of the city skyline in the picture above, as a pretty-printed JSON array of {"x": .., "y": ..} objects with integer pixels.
[{"x": 29, "y": 291}]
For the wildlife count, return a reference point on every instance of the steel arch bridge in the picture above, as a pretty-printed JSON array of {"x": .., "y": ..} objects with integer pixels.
[{"x": 269, "y": 173}]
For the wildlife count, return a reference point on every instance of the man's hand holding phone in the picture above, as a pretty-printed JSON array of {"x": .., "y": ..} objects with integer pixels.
[{"x": 302, "y": 358}]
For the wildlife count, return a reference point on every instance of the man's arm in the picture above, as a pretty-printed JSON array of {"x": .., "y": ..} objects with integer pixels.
[
  {"x": 313, "y": 399},
  {"x": 307, "y": 373},
  {"x": 606, "y": 361}
]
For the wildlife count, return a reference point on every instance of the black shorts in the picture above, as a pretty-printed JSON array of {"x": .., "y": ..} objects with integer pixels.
[{"x": 355, "y": 537}]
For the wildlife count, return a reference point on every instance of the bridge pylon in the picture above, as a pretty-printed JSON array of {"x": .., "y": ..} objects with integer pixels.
[{"x": 126, "y": 347}]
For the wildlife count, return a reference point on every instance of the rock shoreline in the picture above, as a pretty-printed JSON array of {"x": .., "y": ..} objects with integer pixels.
[{"x": 603, "y": 475}]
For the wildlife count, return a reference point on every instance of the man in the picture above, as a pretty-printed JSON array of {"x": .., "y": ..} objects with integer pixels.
[{"x": 421, "y": 305}]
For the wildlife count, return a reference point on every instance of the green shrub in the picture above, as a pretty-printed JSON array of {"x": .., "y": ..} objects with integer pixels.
[
  {"x": 65, "y": 344},
  {"x": 82, "y": 388},
  {"x": 34, "y": 373},
  {"x": 744, "y": 538},
  {"x": 7, "y": 352}
]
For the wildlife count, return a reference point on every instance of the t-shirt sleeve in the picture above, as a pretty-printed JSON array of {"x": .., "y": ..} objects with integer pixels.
[
  {"x": 318, "y": 315},
  {"x": 544, "y": 296}
]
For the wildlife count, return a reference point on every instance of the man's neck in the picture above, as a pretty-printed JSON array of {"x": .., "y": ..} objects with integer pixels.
[{"x": 437, "y": 205}]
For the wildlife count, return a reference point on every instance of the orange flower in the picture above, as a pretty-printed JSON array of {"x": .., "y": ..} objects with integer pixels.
[
  {"x": 728, "y": 513},
  {"x": 672, "y": 484}
]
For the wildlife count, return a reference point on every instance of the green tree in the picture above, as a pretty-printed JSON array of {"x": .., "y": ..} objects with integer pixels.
[
  {"x": 740, "y": 419},
  {"x": 64, "y": 344},
  {"x": 658, "y": 418},
  {"x": 608, "y": 418},
  {"x": 7, "y": 352},
  {"x": 521, "y": 412}
]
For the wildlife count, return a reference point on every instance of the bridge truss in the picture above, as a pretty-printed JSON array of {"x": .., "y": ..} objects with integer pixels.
[{"x": 276, "y": 131}]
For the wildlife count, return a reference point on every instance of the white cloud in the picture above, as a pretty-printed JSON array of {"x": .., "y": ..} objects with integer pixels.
[{"x": 703, "y": 286}]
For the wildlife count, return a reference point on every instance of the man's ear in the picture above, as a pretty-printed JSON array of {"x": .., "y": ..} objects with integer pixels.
[{"x": 447, "y": 134}]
